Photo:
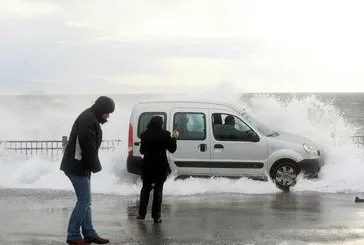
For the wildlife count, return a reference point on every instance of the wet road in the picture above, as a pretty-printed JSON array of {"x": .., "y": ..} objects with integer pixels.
[{"x": 41, "y": 217}]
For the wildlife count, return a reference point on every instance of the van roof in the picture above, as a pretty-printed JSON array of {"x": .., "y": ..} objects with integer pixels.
[{"x": 200, "y": 101}]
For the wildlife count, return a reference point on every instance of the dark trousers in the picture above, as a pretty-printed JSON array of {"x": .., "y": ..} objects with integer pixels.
[{"x": 157, "y": 198}]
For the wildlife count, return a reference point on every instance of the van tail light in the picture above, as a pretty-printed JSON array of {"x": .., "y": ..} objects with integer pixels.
[{"x": 130, "y": 141}]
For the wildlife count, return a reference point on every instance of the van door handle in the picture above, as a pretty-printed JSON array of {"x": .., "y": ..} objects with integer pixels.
[
  {"x": 137, "y": 143},
  {"x": 202, "y": 147},
  {"x": 218, "y": 146}
]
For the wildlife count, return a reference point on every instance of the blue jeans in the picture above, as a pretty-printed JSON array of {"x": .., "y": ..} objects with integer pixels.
[{"x": 81, "y": 214}]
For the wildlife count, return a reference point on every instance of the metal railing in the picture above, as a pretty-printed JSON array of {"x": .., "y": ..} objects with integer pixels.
[
  {"x": 358, "y": 139},
  {"x": 55, "y": 148},
  {"x": 51, "y": 148}
]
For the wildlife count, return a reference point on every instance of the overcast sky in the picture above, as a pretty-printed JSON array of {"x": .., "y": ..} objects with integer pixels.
[{"x": 117, "y": 46}]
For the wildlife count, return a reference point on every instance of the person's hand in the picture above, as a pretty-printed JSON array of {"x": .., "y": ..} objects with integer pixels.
[{"x": 175, "y": 134}]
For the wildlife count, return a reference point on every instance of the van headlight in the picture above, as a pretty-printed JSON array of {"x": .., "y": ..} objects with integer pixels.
[{"x": 311, "y": 150}]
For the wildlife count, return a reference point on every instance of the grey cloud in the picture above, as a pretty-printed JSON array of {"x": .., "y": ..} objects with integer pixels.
[
  {"x": 41, "y": 49},
  {"x": 44, "y": 49},
  {"x": 192, "y": 48}
]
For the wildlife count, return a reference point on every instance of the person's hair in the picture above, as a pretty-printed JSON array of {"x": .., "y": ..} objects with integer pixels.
[
  {"x": 229, "y": 119},
  {"x": 155, "y": 123}
]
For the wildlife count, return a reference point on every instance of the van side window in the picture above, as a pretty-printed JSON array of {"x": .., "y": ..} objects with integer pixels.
[
  {"x": 144, "y": 119},
  {"x": 229, "y": 128},
  {"x": 191, "y": 125}
]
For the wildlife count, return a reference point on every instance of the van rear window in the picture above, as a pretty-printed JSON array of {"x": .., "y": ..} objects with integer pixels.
[{"x": 144, "y": 119}]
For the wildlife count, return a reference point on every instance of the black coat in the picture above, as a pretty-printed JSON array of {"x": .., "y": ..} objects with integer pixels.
[
  {"x": 88, "y": 131},
  {"x": 154, "y": 143}
]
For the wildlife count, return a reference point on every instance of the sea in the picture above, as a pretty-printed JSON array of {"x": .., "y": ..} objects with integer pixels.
[{"x": 329, "y": 119}]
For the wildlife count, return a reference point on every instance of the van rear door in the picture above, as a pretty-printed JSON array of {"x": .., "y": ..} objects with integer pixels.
[{"x": 192, "y": 156}]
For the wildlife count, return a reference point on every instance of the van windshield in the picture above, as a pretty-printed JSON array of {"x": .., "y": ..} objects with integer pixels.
[{"x": 258, "y": 125}]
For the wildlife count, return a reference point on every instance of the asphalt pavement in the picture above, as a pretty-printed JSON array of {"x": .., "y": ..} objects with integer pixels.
[{"x": 31, "y": 216}]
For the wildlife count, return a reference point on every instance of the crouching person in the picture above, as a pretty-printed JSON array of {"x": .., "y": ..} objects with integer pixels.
[
  {"x": 80, "y": 159},
  {"x": 155, "y": 141}
]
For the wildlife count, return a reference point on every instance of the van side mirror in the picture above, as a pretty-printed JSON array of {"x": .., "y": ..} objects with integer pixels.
[{"x": 253, "y": 136}]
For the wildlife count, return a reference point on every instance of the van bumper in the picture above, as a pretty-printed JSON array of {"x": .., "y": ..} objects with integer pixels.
[
  {"x": 134, "y": 165},
  {"x": 310, "y": 167}
]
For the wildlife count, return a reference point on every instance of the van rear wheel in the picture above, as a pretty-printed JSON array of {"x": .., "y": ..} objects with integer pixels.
[{"x": 284, "y": 175}]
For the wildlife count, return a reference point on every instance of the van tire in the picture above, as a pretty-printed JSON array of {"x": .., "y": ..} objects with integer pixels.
[{"x": 284, "y": 175}]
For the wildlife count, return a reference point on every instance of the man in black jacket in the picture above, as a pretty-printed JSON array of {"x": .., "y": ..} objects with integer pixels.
[
  {"x": 155, "y": 169},
  {"x": 79, "y": 160}
]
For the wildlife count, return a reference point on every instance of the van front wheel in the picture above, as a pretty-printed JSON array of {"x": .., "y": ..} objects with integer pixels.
[{"x": 285, "y": 174}]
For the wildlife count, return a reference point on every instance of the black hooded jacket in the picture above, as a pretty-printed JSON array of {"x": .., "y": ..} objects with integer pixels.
[
  {"x": 155, "y": 141},
  {"x": 81, "y": 154}
]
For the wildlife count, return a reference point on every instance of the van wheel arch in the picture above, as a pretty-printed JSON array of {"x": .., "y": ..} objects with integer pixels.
[{"x": 284, "y": 164}]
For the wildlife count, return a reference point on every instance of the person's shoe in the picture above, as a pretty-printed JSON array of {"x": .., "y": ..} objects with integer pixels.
[
  {"x": 77, "y": 242},
  {"x": 357, "y": 199},
  {"x": 96, "y": 240},
  {"x": 141, "y": 217},
  {"x": 157, "y": 220}
]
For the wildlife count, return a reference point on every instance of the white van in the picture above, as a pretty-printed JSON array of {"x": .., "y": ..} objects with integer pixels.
[{"x": 211, "y": 145}]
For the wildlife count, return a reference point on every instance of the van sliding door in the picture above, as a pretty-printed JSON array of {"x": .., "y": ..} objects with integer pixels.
[{"x": 193, "y": 151}]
